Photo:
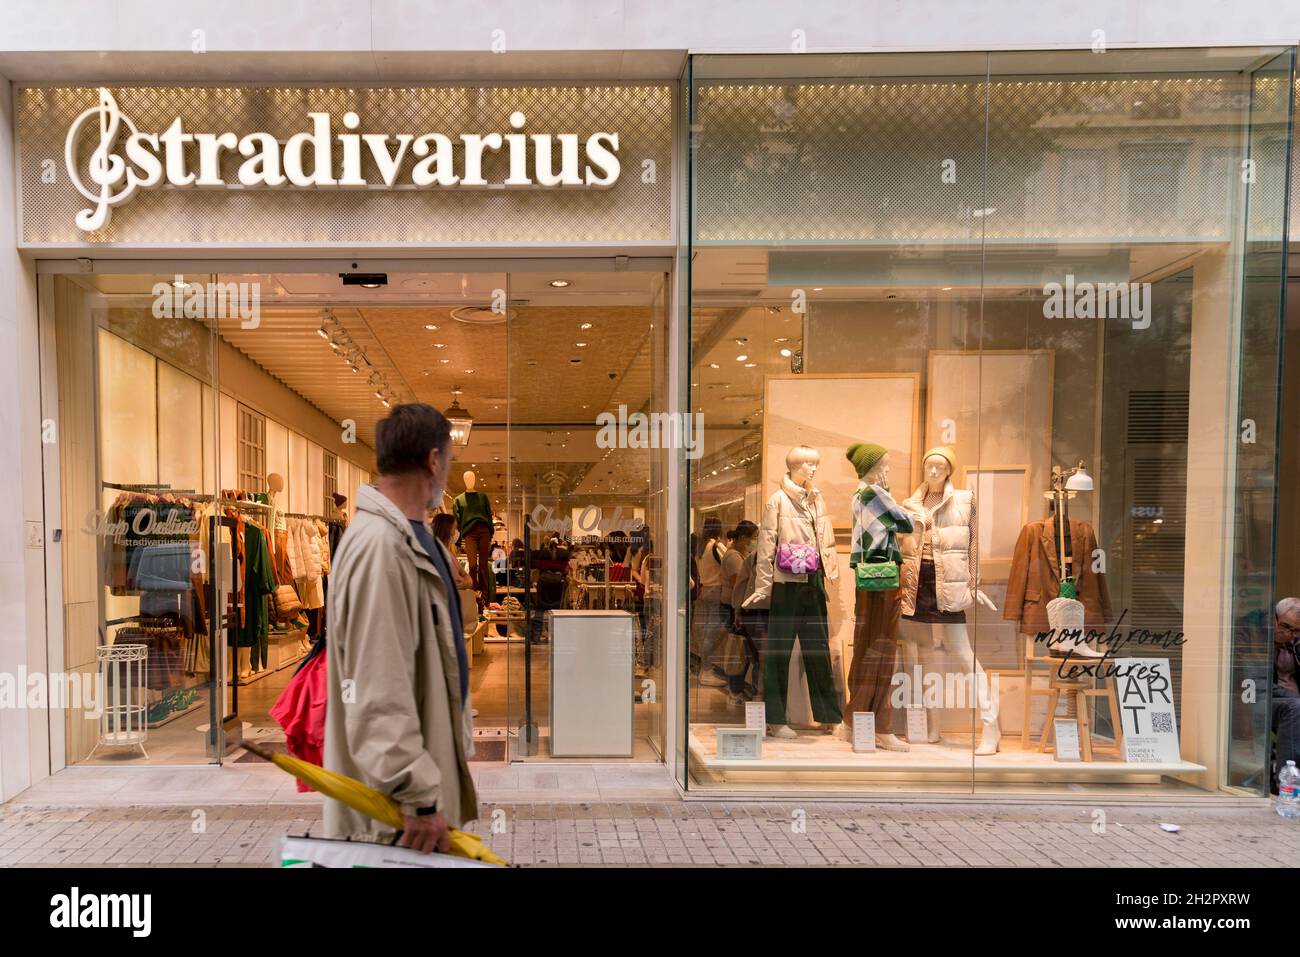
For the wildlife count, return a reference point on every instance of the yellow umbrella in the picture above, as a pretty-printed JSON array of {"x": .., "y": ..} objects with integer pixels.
[{"x": 365, "y": 799}]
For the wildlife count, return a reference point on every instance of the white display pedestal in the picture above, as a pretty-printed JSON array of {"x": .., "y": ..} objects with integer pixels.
[
  {"x": 592, "y": 700},
  {"x": 123, "y": 721}
]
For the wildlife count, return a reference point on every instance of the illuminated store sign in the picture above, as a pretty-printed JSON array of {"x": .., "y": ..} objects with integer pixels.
[{"x": 307, "y": 160}]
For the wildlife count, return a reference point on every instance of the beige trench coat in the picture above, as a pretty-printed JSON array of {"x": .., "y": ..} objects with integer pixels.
[{"x": 398, "y": 723}]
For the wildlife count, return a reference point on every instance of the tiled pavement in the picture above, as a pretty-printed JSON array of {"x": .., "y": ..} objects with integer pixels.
[{"x": 688, "y": 834}]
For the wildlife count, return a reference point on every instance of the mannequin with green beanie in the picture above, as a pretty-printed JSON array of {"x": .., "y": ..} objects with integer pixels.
[
  {"x": 796, "y": 515},
  {"x": 877, "y": 522}
]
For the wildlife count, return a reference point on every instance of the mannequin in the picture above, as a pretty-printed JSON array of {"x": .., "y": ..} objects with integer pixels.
[
  {"x": 877, "y": 521},
  {"x": 279, "y": 529},
  {"x": 940, "y": 581},
  {"x": 795, "y": 515},
  {"x": 473, "y": 512}
]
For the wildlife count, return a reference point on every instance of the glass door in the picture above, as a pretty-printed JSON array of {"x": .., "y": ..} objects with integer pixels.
[{"x": 587, "y": 487}]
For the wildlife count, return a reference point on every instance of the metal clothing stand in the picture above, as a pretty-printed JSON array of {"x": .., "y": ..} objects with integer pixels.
[{"x": 528, "y": 734}]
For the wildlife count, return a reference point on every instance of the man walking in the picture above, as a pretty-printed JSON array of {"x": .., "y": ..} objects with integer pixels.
[{"x": 399, "y": 715}]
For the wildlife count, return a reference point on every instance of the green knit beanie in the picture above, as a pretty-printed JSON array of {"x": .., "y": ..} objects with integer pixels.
[{"x": 864, "y": 456}]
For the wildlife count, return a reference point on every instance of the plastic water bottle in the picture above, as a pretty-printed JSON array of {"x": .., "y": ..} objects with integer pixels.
[{"x": 1288, "y": 787}]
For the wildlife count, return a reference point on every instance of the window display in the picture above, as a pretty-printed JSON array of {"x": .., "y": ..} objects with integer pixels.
[{"x": 1002, "y": 298}]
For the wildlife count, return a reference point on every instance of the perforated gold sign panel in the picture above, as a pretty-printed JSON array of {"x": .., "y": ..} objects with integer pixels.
[
  {"x": 1149, "y": 159},
  {"x": 637, "y": 207}
]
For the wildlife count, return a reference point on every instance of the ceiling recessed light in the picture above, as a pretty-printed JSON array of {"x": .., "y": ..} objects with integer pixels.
[
  {"x": 444, "y": 361},
  {"x": 440, "y": 345},
  {"x": 946, "y": 288},
  {"x": 742, "y": 357},
  {"x": 714, "y": 365},
  {"x": 585, "y": 326},
  {"x": 469, "y": 371},
  {"x": 817, "y": 288},
  {"x": 750, "y": 365},
  {"x": 785, "y": 353},
  {"x": 431, "y": 327},
  {"x": 580, "y": 345},
  {"x": 559, "y": 283},
  {"x": 781, "y": 339}
]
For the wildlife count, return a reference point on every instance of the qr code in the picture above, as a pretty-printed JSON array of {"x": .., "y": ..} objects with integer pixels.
[{"x": 1162, "y": 722}]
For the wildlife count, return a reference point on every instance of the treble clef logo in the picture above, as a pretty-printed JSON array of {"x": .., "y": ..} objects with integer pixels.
[{"x": 107, "y": 170}]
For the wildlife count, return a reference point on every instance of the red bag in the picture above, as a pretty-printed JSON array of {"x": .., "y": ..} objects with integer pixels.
[{"x": 300, "y": 710}]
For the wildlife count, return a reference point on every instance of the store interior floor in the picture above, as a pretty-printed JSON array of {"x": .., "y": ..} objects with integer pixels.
[{"x": 496, "y": 690}]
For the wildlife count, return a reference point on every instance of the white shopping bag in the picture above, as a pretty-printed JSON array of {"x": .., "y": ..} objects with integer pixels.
[{"x": 323, "y": 852}]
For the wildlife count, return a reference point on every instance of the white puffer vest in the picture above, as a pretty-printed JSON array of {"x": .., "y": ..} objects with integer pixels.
[{"x": 949, "y": 526}]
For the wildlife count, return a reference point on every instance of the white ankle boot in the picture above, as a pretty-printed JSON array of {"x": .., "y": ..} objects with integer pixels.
[
  {"x": 990, "y": 739},
  {"x": 932, "y": 723}
]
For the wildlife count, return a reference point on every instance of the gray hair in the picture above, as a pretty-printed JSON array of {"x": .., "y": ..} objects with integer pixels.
[{"x": 1287, "y": 606}]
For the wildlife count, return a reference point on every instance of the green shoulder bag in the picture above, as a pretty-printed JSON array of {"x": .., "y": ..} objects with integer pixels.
[{"x": 877, "y": 576}]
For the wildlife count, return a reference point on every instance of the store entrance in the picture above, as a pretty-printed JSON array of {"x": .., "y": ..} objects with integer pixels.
[{"x": 260, "y": 416}]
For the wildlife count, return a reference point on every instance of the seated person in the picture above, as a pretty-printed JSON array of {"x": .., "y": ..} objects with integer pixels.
[{"x": 1286, "y": 694}]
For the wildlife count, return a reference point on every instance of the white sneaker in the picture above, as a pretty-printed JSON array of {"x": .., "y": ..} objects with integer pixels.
[
  {"x": 783, "y": 731},
  {"x": 892, "y": 742}
]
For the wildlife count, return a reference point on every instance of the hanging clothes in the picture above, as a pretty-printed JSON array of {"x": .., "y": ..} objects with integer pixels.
[{"x": 259, "y": 583}]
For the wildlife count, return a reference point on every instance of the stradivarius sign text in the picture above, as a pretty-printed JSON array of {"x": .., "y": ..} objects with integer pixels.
[{"x": 309, "y": 160}]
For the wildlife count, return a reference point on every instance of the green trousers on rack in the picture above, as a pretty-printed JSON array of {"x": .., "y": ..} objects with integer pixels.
[{"x": 799, "y": 613}]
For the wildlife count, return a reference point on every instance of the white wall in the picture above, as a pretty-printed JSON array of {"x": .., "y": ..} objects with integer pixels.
[
  {"x": 395, "y": 27},
  {"x": 24, "y": 736}
]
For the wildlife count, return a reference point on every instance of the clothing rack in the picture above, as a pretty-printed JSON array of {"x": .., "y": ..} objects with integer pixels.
[
  {"x": 318, "y": 518},
  {"x": 243, "y": 503},
  {"x": 143, "y": 487}
]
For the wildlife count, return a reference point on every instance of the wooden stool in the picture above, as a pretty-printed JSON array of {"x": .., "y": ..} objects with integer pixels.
[{"x": 1077, "y": 691}]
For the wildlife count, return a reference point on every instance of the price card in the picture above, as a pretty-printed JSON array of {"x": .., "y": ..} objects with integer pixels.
[
  {"x": 1066, "y": 739},
  {"x": 864, "y": 732},
  {"x": 740, "y": 744},
  {"x": 756, "y": 716},
  {"x": 917, "y": 731}
]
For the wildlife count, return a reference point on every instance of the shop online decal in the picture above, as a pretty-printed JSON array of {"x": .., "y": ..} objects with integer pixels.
[{"x": 306, "y": 160}]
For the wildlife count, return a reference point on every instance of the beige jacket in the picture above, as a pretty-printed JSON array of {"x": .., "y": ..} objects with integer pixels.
[
  {"x": 950, "y": 528},
  {"x": 400, "y": 725},
  {"x": 798, "y": 515},
  {"x": 323, "y": 537}
]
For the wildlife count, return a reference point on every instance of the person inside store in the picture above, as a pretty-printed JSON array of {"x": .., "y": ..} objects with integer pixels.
[
  {"x": 551, "y": 567},
  {"x": 1286, "y": 676},
  {"x": 399, "y": 716},
  {"x": 739, "y": 689},
  {"x": 516, "y": 563},
  {"x": 444, "y": 530},
  {"x": 499, "y": 563},
  {"x": 707, "y": 624}
]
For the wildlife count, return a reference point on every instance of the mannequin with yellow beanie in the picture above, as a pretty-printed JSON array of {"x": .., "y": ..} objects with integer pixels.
[
  {"x": 939, "y": 582},
  {"x": 877, "y": 522}
]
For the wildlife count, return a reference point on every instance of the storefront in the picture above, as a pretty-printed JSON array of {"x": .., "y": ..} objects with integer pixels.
[{"x": 950, "y": 319}]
